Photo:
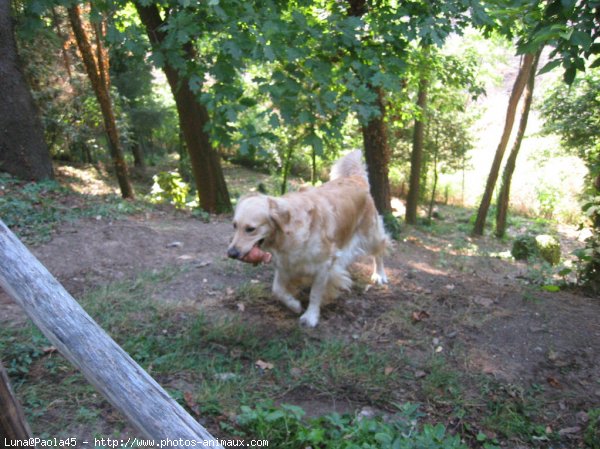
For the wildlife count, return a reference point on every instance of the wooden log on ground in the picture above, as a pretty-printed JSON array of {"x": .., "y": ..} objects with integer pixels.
[
  {"x": 13, "y": 425},
  {"x": 85, "y": 344}
]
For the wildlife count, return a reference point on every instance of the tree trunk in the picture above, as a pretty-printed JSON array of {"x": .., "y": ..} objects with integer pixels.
[
  {"x": 193, "y": 120},
  {"x": 513, "y": 101},
  {"x": 138, "y": 156},
  {"x": 23, "y": 151},
  {"x": 435, "y": 178},
  {"x": 96, "y": 71},
  {"x": 416, "y": 157},
  {"x": 287, "y": 164},
  {"x": 377, "y": 155},
  {"x": 504, "y": 194},
  {"x": 375, "y": 140}
]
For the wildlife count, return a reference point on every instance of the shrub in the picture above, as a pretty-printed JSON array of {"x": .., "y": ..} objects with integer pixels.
[
  {"x": 548, "y": 248},
  {"x": 544, "y": 246},
  {"x": 170, "y": 187},
  {"x": 392, "y": 225},
  {"x": 523, "y": 247}
]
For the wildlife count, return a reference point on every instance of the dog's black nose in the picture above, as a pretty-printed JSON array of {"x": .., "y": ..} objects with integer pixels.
[{"x": 233, "y": 253}]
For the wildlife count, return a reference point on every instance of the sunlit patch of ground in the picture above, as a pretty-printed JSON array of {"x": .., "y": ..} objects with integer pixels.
[{"x": 86, "y": 179}]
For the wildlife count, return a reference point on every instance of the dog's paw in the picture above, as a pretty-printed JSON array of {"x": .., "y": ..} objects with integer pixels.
[
  {"x": 292, "y": 304},
  {"x": 379, "y": 279},
  {"x": 309, "y": 319}
]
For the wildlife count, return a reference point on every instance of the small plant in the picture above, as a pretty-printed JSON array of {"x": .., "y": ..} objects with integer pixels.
[
  {"x": 511, "y": 412},
  {"x": 589, "y": 257},
  {"x": 20, "y": 354},
  {"x": 548, "y": 248},
  {"x": 392, "y": 225},
  {"x": 442, "y": 383},
  {"x": 591, "y": 435},
  {"x": 170, "y": 187},
  {"x": 284, "y": 427},
  {"x": 548, "y": 197}
]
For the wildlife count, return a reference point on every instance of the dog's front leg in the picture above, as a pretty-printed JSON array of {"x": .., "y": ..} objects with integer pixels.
[
  {"x": 310, "y": 318},
  {"x": 378, "y": 277},
  {"x": 281, "y": 292}
]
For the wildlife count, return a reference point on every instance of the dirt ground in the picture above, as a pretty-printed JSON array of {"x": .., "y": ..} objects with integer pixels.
[{"x": 478, "y": 310}]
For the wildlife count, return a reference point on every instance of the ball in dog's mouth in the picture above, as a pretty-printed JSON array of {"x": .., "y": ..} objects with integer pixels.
[{"x": 256, "y": 255}]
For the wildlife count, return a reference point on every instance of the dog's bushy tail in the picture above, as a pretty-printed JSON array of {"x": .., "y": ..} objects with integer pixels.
[{"x": 350, "y": 165}]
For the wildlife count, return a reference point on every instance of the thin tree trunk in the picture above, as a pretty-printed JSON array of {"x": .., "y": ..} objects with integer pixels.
[
  {"x": 23, "y": 151},
  {"x": 286, "y": 169},
  {"x": 99, "y": 81},
  {"x": 513, "y": 101},
  {"x": 504, "y": 194},
  {"x": 416, "y": 157},
  {"x": 193, "y": 120},
  {"x": 434, "y": 188},
  {"x": 435, "y": 177},
  {"x": 138, "y": 156},
  {"x": 101, "y": 53}
]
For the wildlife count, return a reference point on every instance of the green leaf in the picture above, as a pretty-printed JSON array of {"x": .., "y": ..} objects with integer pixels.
[
  {"x": 569, "y": 75},
  {"x": 581, "y": 39},
  {"x": 551, "y": 288},
  {"x": 549, "y": 66},
  {"x": 565, "y": 272}
]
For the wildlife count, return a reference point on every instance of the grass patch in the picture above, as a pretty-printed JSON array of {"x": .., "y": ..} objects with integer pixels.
[
  {"x": 442, "y": 384},
  {"x": 208, "y": 364},
  {"x": 511, "y": 412},
  {"x": 34, "y": 210}
]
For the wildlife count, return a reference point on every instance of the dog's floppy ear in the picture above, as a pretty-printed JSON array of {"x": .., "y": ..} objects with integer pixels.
[{"x": 278, "y": 213}]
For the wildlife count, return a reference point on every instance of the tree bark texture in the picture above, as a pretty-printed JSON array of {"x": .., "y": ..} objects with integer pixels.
[
  {"x": 193, "y": 120},
  {"x": 416, "y": 156},
  {"x": 85, "y": 344},
  {"x": 503, "y": 199},
  {"x": 96, "y": 70},
  {"x": 513, "y": 102},
  {"x": 23, "y": 151},
  {"x": 377, "y": 155},
  {"x": 13, "y": 425}
]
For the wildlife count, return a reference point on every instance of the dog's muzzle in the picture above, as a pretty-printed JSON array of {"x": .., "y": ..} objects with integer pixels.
[{"x": 233, "y": 253}]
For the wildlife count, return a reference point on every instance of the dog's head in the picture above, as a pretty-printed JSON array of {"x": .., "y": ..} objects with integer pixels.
[{"x": 256, "y": 221}]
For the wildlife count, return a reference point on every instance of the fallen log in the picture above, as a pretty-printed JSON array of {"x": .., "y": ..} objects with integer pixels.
[{"x": 145, "y": 404}]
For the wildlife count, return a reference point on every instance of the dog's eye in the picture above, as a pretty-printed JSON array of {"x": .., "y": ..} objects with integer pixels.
[{"x": 250, "y": 229}]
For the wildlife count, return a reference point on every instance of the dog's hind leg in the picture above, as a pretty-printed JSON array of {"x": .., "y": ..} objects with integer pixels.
[
  {"x": 378, "y": 242},
  {"x": 281, "y": 292}
]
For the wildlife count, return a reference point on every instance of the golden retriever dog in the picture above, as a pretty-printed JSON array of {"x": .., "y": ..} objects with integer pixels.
[{"x": 312, "y": 236}]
